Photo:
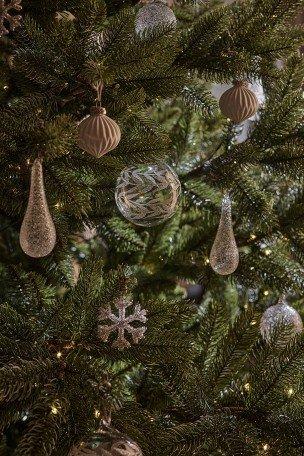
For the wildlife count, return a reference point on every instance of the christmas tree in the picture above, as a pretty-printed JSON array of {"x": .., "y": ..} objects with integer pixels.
[{"x": 151, "y": 228}]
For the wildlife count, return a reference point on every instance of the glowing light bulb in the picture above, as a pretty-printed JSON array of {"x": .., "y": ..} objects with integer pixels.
[
  {"x": 266, "y": 293},
  {"x": 54, "y": 410},
  {"x": 97, "y": 413},
  {"x": 59, "y": 354}
]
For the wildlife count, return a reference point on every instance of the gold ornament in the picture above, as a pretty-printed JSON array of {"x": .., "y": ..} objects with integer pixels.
[
  {"x": 224, "y": 257},
  {"x": 97, "y": 133},
  {"x": 38, "y": 233},
  {"x": 239, "y": 103}
]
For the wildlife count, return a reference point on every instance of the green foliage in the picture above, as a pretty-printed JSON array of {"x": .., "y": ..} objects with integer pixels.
[{"x": 202, "y": 381}]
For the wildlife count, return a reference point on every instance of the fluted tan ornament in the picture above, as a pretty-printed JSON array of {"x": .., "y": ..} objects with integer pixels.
[
  {"x": 239, "y": 103},
  {"x": 224, "y": 257},
  {"x": 38, "y": 233},
  {"x": 98, "y": 133}
]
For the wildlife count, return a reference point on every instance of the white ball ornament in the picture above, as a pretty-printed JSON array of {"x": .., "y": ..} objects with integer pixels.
[
  {"x": 148, "y": 194},
  {"x": 280, "y": 314},
  {"x": 155, "y": 13}
]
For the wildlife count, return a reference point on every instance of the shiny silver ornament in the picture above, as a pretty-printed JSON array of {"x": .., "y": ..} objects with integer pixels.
[
  {"x": 148, "y": 195},
  {"x": 280, "y": 314},
  {"x": 108, "y": 443},
  {"x": 155, "y": 14},
  {"x": 224, "y": 256},
  {"x": 38, "y": 233}
]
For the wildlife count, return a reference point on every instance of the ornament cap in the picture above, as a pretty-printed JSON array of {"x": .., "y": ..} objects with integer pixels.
[
  {"x": 240, "y": 83},
  {"x": 98, "y": 111}
]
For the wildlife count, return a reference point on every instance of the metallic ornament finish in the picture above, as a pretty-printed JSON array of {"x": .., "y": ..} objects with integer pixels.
[
  {"x": 224, "y": 256},
  {"x": 239, "y": 103},
  {"x": 155, "y": 14},
  {"x": 279, "y": 314},
  {"x": 38, "y": 233},
  {"x": 148, "y": 195},
  {"x": 108, "y": 443},
  {"x": 98, "y": 133},
  {"x": 122, "y": 324}
]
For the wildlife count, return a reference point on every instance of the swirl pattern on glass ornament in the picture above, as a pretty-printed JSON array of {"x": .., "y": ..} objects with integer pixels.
[{"x": 148, "y": 195}]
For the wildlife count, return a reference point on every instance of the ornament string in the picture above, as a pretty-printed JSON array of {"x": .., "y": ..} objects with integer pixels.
[{"x": 99, "y": 86}]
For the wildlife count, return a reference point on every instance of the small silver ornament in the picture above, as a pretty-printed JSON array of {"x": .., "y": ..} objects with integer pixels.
[
  {"x": 148, "y": 194},
  {"x": 155, "y": 14},
  {"x": 279, "y": 314}
]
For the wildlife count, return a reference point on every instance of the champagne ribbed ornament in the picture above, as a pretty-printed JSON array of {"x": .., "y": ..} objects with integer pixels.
[
  {"x": 38, "y": 233},
  {"x": 239, "y": 103},
  {"x": 148, "y": 194},
  {"x": 98, "y": 133},
  {"x": 280, "y": 314},
  {"x": 224, "y": 256},
  {"x": 156, "y": 13}
]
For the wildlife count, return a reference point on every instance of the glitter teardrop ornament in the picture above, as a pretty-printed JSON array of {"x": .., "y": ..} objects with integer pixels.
[
  {"x": 239, "y": 103},
  {"x": 224, "y": 256},
  {"x": 280, "y": 314},
  {"x": 98, "y": 133},
  {"x": 156, "y": 13},
  {"x": 38, "y": 233}
]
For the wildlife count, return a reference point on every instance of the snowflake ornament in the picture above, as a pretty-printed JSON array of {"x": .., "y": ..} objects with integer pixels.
[
  {"x": 7, "y": 21},
  {"x": 123, "y": 324}
]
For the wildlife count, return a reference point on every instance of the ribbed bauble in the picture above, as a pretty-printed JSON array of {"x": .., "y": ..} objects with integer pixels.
[
  {"x": 98, "y": 133},
  {"x": 239, "y": 103}
]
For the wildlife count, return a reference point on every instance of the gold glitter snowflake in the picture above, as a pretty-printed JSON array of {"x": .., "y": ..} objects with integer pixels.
[{"x": 8, "y": 21}]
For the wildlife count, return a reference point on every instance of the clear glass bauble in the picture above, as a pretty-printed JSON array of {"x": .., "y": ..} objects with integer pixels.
[{"x": 148, "y": 194}]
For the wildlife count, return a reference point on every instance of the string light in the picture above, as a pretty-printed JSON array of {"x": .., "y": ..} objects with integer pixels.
[
  {"x": 266, "y": 293},
  {"x": 54, "y": 410},
  {"x": 207, "y": 261},
  {"x": 59, "y": 354},
  {"x": 247, "y": 386},
  {"x": 266, "y": 447},
  {"x": 253, "y": 237},
  {"x": 290, "y": 392},
  {"x": 97, "y": 413},
  {"x": 267, "y": 252}
]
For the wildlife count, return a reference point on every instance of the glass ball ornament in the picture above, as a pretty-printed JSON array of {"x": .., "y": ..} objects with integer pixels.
[
  {"x": 107, "y": 442},
  {"x": 148, "y": 194},
  {"x": 280, "y": 314},
  {"x": 155, "y": 14}
]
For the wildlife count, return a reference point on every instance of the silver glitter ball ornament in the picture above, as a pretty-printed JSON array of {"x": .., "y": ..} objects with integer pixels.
[
  {"x": 155, "y": 14},
  {"x": 148, "y": 194},
  {"x": 279, "y": 314}
]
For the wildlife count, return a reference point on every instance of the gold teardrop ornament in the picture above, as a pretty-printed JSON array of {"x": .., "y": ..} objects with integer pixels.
[
  {"x": 38, "y": 233},
  {"x": 224, "y": 256}
]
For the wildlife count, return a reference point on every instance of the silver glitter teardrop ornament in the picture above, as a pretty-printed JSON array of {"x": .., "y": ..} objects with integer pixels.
[
  {"x": 224, "y": 256},
  {"x": 279, "y": 314},
  {"x": 155, "y": 14},
  {"x": 38, "y": 233}
]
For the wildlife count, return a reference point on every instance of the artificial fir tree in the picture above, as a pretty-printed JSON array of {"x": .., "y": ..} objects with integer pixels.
[{"x": 170, "y": 376}]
